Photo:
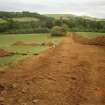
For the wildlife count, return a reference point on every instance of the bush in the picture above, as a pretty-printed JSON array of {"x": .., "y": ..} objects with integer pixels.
[{"x": 58, "y": 31}]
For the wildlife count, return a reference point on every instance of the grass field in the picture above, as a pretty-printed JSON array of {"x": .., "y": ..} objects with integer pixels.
[
  {"x": 25, "y": 19},
  {"x": 58, "y": 16},
  {"x": 2, "y": 21},
  {"x": 90, "y": 34},
  {"x": 7, "y": 41},
  {"x": 21, "y": 19}
]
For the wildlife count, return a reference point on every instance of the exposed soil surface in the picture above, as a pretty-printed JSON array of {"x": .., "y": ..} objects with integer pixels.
[
  {"x": 21, "y": 43},
  {"x": 4, "y": 53},
  {"x": 99, "y": 40},
  {"x": 69, "y": 74}
]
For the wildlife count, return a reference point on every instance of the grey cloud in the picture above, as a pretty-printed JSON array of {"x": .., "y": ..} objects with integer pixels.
[{"x": 79, "y": 7}]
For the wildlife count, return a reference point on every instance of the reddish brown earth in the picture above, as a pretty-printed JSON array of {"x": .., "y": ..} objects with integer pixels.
[
  {"x": 21, "y": 43},
  {"x": 4, "y": 53},
  {"x": 99, "y": 40},
  {"x": 69, "y": 74}
]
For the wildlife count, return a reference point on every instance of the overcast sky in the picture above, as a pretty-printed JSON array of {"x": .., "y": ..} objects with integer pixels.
[{"x": 79, "y": 7}]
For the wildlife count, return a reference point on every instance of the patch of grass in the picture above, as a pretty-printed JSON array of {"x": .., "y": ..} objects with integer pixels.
[
  {"x": 58, "y": 16},
  {"x": 25, "y": 19},
  {"x": 2, "y": 20},
  {"x": 90, "y": 34},
  {"x": 8, "y": 59},
  {"x": 7, "y": 41}
]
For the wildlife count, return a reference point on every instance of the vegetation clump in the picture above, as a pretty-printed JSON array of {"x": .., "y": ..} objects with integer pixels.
[
  {"x": 59, "y": 31},
  {"x": 28, "y": 22}
]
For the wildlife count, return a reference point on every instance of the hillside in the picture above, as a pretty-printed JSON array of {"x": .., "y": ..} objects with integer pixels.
[
  {"x": 58, "y": 16},
  {"x": 25, "y": 19},
  {"x": 67, "y": 16},
  {"x": 30, "y": 22},
  {"x": 24, "y": 22},
  {"x": 21, "y": 16}
]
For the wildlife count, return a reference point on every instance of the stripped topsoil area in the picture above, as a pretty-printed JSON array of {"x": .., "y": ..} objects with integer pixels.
[
  {"x": 4, "y": 53},
  {"x": 69, "y": 74},
  {"x": 100, "y": 40},
  {"x": 22, "y": 43}
]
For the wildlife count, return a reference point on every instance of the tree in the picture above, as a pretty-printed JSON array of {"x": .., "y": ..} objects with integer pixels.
[{"x": 58, "y": 31}]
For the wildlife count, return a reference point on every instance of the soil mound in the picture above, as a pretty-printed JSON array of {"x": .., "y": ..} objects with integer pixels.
[
  {"x": 21, "y": 43},
  {"x": 4, "y": 53},
  {"x": 100, "y": 40}
]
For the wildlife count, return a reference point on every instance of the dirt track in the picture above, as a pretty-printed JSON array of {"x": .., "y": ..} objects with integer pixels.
[{"x": 70, "y": 74}]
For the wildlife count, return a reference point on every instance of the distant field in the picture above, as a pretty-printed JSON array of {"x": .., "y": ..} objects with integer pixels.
[
  {"x": 25, "y": 19},
  {"x": 7, "y": 41},
  {"x": 90, "y": 34},
  {"x": 2, "y": 21},
  {"x": 21, "y": 19},
  {"x": 57, "y": 16}
]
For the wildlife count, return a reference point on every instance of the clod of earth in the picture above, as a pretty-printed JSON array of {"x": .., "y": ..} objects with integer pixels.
[
  {"x": 35, "y": 101},
  {"x": 14, "y": 85},
  {"x": 1, "y": 88},
  {"x": 2, "y": 99},
  {"x": 59, "y": 62},
  {"x": 73, "y": 78},
  {"x": 10, "y": 87},
  {"x": 24, "y": 104}
]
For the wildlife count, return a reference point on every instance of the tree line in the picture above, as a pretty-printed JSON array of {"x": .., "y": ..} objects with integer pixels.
[{"x": 45, "y": 24}]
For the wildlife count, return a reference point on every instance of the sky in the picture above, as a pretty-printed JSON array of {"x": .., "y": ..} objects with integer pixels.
[{"x": 95, "y": 8}]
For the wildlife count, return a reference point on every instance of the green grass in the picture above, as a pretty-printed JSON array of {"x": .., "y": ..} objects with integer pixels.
[
  {"x": 6, "y": 60},
  {"x": 58, "y": 16},
  {"x": 90, "y": 34},
  {"x": 25, "y": 19},
  {"x": 21, "y": 19},
  {"x": 7, "y": 41},
  {"x": 2, "y": 21}
]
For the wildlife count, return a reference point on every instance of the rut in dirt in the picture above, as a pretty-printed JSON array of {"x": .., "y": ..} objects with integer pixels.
[{"x": 69, "y": 74}]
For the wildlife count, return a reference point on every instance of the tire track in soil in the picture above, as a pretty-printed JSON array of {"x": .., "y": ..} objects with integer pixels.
[{"x": 70, "y": 74}]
